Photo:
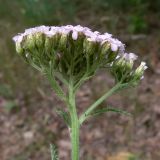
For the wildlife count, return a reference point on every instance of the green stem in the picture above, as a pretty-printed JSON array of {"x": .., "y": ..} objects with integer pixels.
[
  {"x": 85, "y": 115},
  {"x": 74, "y": 124}
]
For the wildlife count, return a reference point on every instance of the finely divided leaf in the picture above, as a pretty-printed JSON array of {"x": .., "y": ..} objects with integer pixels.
[
  {"x": 65, "y": 116},
  {"x": 109, "y": 109},
  {"x": 54, "y": 153}
]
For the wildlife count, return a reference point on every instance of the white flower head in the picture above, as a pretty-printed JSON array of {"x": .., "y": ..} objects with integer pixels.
[
  {"x": 130, "y": 57},
  {"x": 104, "y": 49}
]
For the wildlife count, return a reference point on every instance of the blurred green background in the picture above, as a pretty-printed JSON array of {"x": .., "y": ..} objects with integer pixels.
[{"x": 23, "y": 91}]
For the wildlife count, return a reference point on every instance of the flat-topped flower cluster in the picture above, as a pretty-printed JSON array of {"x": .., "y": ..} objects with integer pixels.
[
  {"x": 90, "y": 35},
  {"x": 77, "y": 51}
]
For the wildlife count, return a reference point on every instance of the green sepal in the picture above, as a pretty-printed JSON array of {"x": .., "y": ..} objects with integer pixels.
[
  {"x": 65, "y": 116},
  {"x": 54, "y": 152}
]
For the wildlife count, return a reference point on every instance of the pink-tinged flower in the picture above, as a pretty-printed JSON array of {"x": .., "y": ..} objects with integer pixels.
[
  {"x": 114, "y": 47},
  {"x": 130, "y": 56},
  {"x": 18, "y": 38}
]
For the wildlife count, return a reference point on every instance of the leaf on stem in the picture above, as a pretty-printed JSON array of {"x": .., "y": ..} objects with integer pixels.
[
  {"x": 58, "y": 90},
  {"x": 54, "y": 152},
  {"x": 65, "y": 116},
  {"x": 109, "y": 109}
]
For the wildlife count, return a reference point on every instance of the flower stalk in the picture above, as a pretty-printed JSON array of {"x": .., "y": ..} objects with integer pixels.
[
  {"x": 90, "y": 109},
  {"x": 74, "y": 123}
]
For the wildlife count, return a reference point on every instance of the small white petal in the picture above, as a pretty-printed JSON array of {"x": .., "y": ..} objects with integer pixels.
[
  {"x": 132, "y": 56},
  {"x": 145, "y": 67},
  {"x": 75, "y": 35},
  {"x": 79, "y": 28},
  {"x": 18, "y": 38},
  {"x": 114, "y": 47},
  {"x": 107, "y": 35},
  {"x": 143, "y": 63}
]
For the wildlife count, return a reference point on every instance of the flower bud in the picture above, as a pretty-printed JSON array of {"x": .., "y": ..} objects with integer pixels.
[
  {"x": 130, "y": 58},
  {"x": 75, "y": 35},
  {"x": 55, "y": 40},
  {"x": 140, "y": 70},
  {"x": 29, "y": 42},
  {"x": 129, "y": 65},
  {"x": 119, "y": 63},
  {"x": 80, "y": 39},
  {"x": 105, "y": 48},
  {"x": 19, "y": 48},
  {"x": 89, "y": 46},
  {"x": 63, "y": 42},
  {"x": 111, "y": 56},
  {"x": 48, "y": 45},
  {"x": 39, "y": 39},
  {"x": 18, "y": 42}
]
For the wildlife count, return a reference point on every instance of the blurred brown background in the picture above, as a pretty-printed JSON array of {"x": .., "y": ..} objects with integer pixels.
[{"x": 28, "y": 123}]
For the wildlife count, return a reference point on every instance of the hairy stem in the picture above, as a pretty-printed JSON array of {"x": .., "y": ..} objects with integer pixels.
[{"x": 74, "y": 124}]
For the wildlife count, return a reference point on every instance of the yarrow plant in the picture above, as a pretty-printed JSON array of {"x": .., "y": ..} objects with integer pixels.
[{"x": 73, "y": 54}]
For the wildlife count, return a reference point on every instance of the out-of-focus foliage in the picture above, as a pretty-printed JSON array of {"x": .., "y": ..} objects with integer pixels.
[{"x": 38, "y": 11}]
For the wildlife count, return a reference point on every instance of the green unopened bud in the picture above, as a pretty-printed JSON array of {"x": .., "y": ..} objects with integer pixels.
[
  {"x": 55, "y": 40},
  {"x": 129, "y": 58},
  {"x": 63, "y": 42},
  {"x": 89, "y": 46},
  {"x": 19, "y": 48},
  {"x": 140, "y": 70},
  {"x": 29, "y": 42},
  {"x": 105, "y": 47},
  {"x": 80, "y": 37},
  {"x": 75, "y": 43},
  {"x": 111, "y": 56},
  {"x": 129, "y": 65},
  {"x": 120, "y": 64},
  {"x": 39, "y": 39},
  {"x": 48, "y": 45}
]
